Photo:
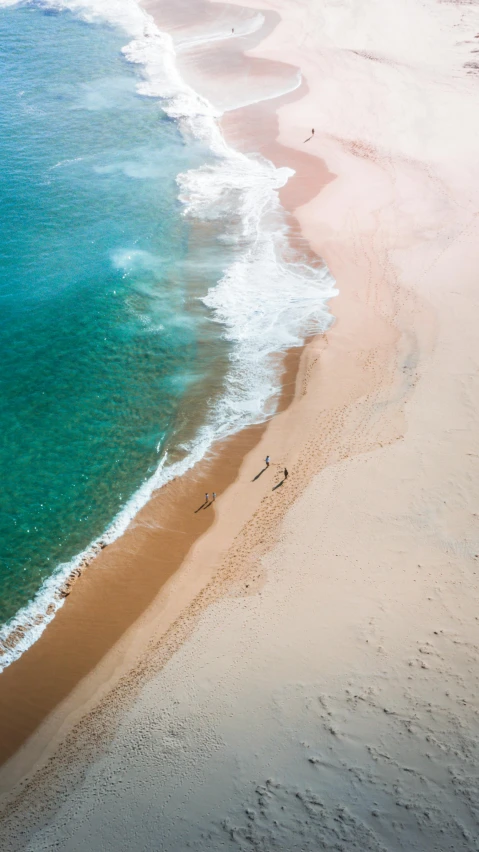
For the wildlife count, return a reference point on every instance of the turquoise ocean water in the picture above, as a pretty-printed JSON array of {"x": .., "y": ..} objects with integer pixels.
[
  {"x": 146, "y": 287},
  {"x": 98, "y": 338}
]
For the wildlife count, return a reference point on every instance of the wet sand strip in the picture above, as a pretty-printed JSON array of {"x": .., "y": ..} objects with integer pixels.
[{"x": 119, "y": 585}]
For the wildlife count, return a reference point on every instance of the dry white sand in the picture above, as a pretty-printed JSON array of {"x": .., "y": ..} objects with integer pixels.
[{"x": 330, "y": 701}]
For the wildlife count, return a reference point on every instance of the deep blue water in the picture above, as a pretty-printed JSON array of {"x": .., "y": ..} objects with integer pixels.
[{"x": 101, "y": 338}]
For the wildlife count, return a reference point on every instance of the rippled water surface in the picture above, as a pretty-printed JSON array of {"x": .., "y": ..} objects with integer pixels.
[{"x": 101, "y": 335}]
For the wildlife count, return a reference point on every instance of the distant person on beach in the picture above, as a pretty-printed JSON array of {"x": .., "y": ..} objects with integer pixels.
[
  {"x": 286, "y": 474},
  {"x": 207, "y": 497},
  {"x": 312, "y": 132},
  {"x": 310, "y": 137},
  {"x": 266, "y": 461},
  {"x": 232, "y": 29},
  {"x": 214, "y": 496}
]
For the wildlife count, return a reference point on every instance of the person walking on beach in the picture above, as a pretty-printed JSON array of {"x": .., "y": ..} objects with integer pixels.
[
  {"x": 207, "y": 497},
  {"x": 266, "y": 461},
  {"x": 312, "y": 132},
  {"x": 214, "y": 496},
  {"x": 286, "y": 474}
]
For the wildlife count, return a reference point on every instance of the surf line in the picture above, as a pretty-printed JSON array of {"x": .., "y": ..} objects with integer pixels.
[{"x": 265, "y": 303}]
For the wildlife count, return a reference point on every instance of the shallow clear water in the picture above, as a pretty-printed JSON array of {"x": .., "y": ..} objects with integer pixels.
[{"x": 101, "y": 339}]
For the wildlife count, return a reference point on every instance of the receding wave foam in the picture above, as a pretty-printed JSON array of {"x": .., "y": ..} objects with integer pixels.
[{"x": 266, "y": 301}]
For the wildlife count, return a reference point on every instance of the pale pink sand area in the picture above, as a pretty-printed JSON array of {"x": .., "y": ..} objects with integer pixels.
[{"x": 327, "y": 695}]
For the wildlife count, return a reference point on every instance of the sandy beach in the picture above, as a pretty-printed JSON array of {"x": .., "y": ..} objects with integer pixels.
[{"x": 299, "y": 671}]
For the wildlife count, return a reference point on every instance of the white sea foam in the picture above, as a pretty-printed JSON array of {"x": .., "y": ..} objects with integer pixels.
[
  {"x": 129, "y": 260},
  {"x": 66, "y": 163},
  {"x": 265, "y": 302}
]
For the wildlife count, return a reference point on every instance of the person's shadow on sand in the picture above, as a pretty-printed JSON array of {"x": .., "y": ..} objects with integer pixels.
[
  {"x": 259, "y": 474},
  {"x": 203, "y": 506},
  {"x": 285, "y": 476}
]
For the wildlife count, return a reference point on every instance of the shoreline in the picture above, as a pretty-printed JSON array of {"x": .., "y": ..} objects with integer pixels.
[
  {"x": 28, "y": 624},
  {"x": 109, "y": 599}
]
